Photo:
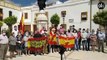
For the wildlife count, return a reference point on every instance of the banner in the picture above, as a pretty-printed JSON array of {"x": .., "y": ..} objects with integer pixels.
[
  {"x": 67, "y": 42},
  {"x": 52, "y": 39},
  {"x": 36, "y": 43}
]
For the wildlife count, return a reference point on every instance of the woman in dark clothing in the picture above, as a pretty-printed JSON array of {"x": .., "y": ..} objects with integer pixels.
[{"x": 19, "y": 43}]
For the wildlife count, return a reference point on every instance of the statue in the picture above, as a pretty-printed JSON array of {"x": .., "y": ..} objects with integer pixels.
[{"x": 41, "y": 4}]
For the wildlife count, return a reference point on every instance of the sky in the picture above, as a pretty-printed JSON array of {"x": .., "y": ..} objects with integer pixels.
[{"x": 29, "y": 2}]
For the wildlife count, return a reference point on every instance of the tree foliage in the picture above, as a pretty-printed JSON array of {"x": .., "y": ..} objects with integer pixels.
[
  {"x": 1, "y": 23},
  {"x": 10, "y": 21},
  {"x": 55, "y": 19},
  {"x": 101, "y": 18}
]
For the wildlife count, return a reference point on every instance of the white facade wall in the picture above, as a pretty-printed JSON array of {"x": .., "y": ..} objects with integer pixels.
[
  {"x": 29, "y": 20},
  {"x": 6, "y": 10},
  {"x": 14, "y": 12},
  {"x": 73, "y": 11}
]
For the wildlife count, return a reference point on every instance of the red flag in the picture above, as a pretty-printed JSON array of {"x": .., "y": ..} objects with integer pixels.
[{"x": 21, "y": 26}]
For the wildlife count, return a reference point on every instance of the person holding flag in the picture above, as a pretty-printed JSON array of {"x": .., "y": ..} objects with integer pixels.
[{"x": 52, "y": 39}]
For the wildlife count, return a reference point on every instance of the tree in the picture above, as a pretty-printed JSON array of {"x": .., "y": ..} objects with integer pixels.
[
  {"x": 101, "y": 19},
  {"x": 55, "y": 20},
  {"x": 10, "y": 21},
  {"x": 1, "y": 24}
]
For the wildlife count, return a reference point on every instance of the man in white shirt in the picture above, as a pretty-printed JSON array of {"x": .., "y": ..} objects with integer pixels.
[
  {"x": 15, "y": 31},
  {"x": 84, "y": 39},
  {"x": 101, "y": 38},
  {"x": 3, "y": 45}
]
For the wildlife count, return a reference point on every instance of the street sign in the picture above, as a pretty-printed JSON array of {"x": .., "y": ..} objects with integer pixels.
[{"x": 101, "y": 5}]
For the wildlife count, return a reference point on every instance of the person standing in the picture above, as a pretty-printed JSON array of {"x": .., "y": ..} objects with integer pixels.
[
  {"x": 52, "y": 39},
  {"x": 69, "y": 33},
  {"x": 93, "y": 39},
  {"x": 46, "y": 46},
  {"x": 79, "y": 38},
  {"x": 12, "y": 45},
  {"x": 101, "y": 38},
  {"x": 3, "y": 45},
  {"x": 61, "y": 30},
  {"x": 88, "y": 40},
  {"x": 19, "y": 44},
  {"x": 84, "y": 39},
  {"x": 37, "y": 35},
  {"x": 76, "y": 39},
  {"x": 25, "y": 39}
]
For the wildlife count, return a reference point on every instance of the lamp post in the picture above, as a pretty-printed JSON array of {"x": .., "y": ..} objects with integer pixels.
[
  {"x": 61, "y": 51},
  {"x": 90, "y": 15},
  {"x": 63, "y": 14}
]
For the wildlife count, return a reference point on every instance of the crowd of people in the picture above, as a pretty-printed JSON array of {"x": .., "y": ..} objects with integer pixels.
[{"x": 84, "y": 40}]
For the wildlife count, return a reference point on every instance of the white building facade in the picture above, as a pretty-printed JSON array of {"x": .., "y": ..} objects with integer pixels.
[
  {"x": 77, "y": 13},
  {"x": 9, "y": 9}
]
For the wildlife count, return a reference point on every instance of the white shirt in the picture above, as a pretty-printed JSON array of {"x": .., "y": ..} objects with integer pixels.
[
  {"x": 69, "y": 34},
  {"x": 15, "y": 32},
  {"x": 101, "y": 36},
  {"x": 75, "y": 35},
  {"x": 88, "y": 35},
  {"x": 84, "y": 36},
  {"x": 3, "y": 39},
  {"x": 26, "y": 39}
]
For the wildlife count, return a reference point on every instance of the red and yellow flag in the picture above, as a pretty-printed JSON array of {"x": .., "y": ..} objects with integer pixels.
[
  {"x": 52, "y": 39},
  {"x": 21, "y": 26},
  {"x": 67, "y": 42}
]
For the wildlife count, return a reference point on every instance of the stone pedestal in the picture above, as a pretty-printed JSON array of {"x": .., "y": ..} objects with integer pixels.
[{"x": 42, "y": 20}]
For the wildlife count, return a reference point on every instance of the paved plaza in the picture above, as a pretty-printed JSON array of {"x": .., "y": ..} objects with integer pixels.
[{"x": 71, "y": 55}]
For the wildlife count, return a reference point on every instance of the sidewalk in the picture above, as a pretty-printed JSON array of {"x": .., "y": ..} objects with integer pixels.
[
  {"x": 105, "y": 48},
  {"x": 72, "y": 55}
]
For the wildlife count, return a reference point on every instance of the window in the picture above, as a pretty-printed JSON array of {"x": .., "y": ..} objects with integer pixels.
[
  {"x": 63, "y": 13},
  {"x": 10, "y": 13},
  {"x": 1, "y": 14},
  {"x": 83, "y": 16},
  {"x": 26, "y": 15}
]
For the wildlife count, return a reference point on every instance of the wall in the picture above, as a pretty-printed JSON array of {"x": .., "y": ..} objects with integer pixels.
[{"x": 6, "y": 10}]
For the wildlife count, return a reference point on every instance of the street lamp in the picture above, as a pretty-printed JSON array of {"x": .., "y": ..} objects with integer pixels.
[
  {"x": 63, "y": 14},
  {"x": 90, "y": 15}
]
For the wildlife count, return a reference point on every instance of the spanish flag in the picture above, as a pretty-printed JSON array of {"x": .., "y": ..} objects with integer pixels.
[
  {"x": 67, "y": 42},
  {"x": 21, "y": 26},
  {"x": 52, "y": 39}
]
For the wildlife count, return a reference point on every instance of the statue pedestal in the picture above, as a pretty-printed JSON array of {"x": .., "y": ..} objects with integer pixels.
[{"x": 42, "y": 20}]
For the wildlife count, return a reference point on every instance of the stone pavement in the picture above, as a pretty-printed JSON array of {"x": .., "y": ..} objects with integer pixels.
[{"x": 71, "y": 55}]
